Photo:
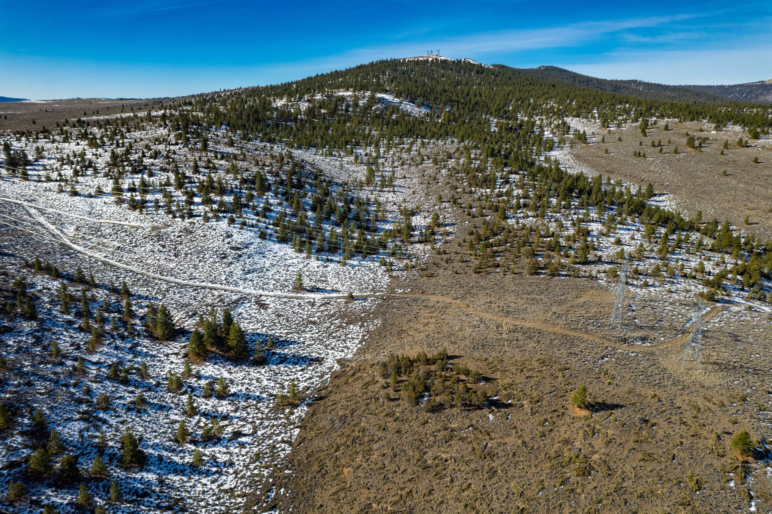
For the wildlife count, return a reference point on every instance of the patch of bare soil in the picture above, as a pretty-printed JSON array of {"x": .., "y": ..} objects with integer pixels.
[{"x": 729, "y": 186}]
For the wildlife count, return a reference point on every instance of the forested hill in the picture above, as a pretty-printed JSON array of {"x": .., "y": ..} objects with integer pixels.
[
  {"x": 463, "y": 97},
  {"x": 759, "y": 92},
  {"x": 634, "y": 88}
]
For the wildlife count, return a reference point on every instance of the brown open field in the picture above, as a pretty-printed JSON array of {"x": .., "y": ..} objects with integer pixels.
[
  {"x": 657, "y": 439},
  {"x": 20, "y": 115},
  {"x": 696, "y": 178}
]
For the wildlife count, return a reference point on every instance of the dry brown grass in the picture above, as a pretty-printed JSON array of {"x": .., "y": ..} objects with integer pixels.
[{"x": 695, "y": 177}]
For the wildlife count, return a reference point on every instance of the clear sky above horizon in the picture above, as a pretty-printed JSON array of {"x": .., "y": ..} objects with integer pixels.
[{"x": 152, "y": 48}]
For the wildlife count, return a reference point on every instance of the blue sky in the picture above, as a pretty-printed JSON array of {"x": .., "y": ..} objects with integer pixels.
[{"x": 148, "y": 48}]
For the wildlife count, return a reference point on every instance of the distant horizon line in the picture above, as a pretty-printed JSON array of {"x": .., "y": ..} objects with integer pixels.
[{"x": 4, "y": 99}]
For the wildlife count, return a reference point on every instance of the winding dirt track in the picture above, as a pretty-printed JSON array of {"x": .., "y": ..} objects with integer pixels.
[
  {"x": 544, "y": 327},
  {"x": 537, "y": 325}
]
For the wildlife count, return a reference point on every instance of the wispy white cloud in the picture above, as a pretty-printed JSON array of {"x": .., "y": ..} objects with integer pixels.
[{"x": 509, "y": 41}]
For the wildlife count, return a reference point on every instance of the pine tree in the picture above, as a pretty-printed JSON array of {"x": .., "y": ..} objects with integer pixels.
[
  {"x": 100, "y": 509},
  {"x": 298, "y": 284},
  {"x": 131, "y": 455},
  {"x": 222, "y": 387},
  {"x": 29, "y": 311},
  {"x": 39, "y": 462},
  {"x": 227, "y": 320},
  {"x": 6, "y": 417},
  {"x": 210, "y": 337},
  {"x": 186, "y": 371},
  {"x": 54, "y": 443},
  {"x": 182, "y": 433},
  {"x": 190, "y": 406},
  {"x": 237, "y": 342},
  {"x": 207, "y": 389},
  {"x": 84, "y": 498},
  {"x": 198, "y": 458},
  {"x": 68, "y": 469},
  {"x": 128, "y": 312},
  {"x": 115, "y": 492},
  {"x": 98, "y": 468},
  {"x": 164, "y": 326},
  {"x": 197, "y": 347},
  {"x": 151, "y": 318},
  {"x": 16, "y": 491},
  {"x": 259, "y": 357}
]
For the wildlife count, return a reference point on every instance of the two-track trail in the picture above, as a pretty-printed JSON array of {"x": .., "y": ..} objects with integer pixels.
[
  {"x": 554, "y": 329},
  {"x": 454, "y": 303}
]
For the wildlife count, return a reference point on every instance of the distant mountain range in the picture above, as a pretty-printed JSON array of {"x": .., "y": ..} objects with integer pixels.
[
  {"x": 757, "y": 92},
  {"x": 752, "y": 92}
]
